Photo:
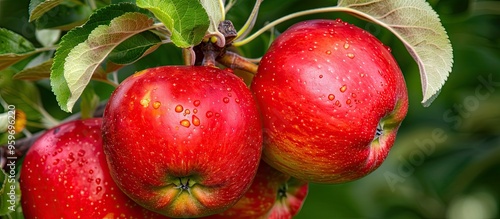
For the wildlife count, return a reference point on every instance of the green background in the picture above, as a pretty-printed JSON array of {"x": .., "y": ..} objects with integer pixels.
[{"x": 446, "y": 160}]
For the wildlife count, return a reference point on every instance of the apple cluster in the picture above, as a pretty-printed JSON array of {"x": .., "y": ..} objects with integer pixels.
[{"x": 195, "y": 141}]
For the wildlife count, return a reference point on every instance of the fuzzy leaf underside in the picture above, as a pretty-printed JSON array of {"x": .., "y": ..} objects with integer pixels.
[
  {"x": 84, "y": 59},
  {"x": 39, "y": 7},
  {"x": 418, "y": 26},
  {"x": 38, "y": 72},
  {"x": 77, "y": 36}
]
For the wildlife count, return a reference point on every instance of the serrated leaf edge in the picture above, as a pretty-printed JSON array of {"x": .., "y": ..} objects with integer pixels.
[
  {"x": 428, "y": 96},
  {"x": 77, "y": 88},
  {"x": 42, "y": 7}
]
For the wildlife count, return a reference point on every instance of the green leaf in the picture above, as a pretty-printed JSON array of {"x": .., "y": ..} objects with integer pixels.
[
  {"x": 39, "y": 7},
  {"x": 7, "y": 60},
  {"x": 187, "y": 20},
  {"x": 4, "y": 185},
  {"x": 11, "y": 42},
  {"x": 76, "y": 36},
  {"x": 90, "y": 102},
  {"x": 135, "y": 48},
  {"x": 84, "y": 59},
  {"x": 64, "y": 17},
  {"x": 39, "y": 72},
  {"x": 13, "y": 48},
  {"x": 10, "y": 191},
  {"x": 418, "y": 26},
  {"x": 22, "y": 94}
]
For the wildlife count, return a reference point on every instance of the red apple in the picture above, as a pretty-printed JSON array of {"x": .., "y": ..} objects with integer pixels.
[
  {"x": 65, "y": 175},
  {"x": 184, "y": 141},
  {"x": 272, "y": 195},
  {"x": 332, "y": 98}
]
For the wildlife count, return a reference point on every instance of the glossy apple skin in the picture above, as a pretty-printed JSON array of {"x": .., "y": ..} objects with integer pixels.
[
  {"x": 65, "y": 175},
  {"x": 272, "y": 195},
  {"x": 173, "y": 123},
  {"x": 323, "y": 88}
]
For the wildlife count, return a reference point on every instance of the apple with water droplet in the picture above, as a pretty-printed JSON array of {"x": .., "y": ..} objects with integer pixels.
[
  {"x": 184, "y": 141},
  {"x": 272, "y": 195},
  {"x": 65, "y": 175},
  {"x": 332, "y": 98}
]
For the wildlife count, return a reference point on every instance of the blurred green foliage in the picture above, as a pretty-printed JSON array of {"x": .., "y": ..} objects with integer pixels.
[{"x": 446, "y": 160}]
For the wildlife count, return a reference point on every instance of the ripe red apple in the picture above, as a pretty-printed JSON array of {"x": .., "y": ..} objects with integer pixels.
[
  {"x": 332, "y": 99},
  {"x": 65, "y": 175},
  {"x": 184, "y": 141},
  {"x": 272, "y": 195}
]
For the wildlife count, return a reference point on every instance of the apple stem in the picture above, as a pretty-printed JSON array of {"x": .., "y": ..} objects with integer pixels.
[
  {"x": 209, "y": 56},
  {"x": 295, "y": 15},
  {"x": 248, "y": 26},
  {"x": 189, "y": 56},
  {"x": 229, "y": 5},
  {"x": 235, "y": 61}
]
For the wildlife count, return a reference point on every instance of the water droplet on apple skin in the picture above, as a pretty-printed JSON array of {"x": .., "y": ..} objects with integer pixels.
[
  {"x": 185, "y": 123},
  {"x": 331, "y": 97},
  {"x": 196, "y": 103},
  {"x": 346, "y": 45},
  {"x": 388, "y": 48},
  {"x": 70, "y": 158},
  {"x": 343, "y": 88},
  {"x": 179, "y": 109},
  {"x": 98, "y": 189},
  {"x": 81, "y": 153},
  {"x": 195, "y": 121},
  {"x": 156, "y": 104},
  {"x": 209, "y": 114}
]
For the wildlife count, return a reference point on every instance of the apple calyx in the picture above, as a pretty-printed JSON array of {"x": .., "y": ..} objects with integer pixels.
[
  {"x": 290, "y": 198},
  {"x": 378, "y": 131},
  {"x": 184, "y": 186},
  {"x": 282, "y": 192}
]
